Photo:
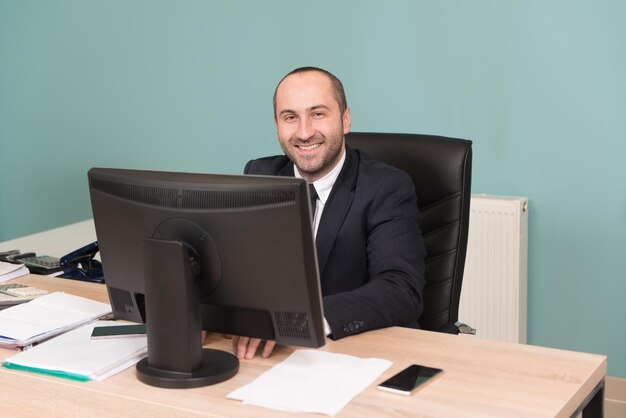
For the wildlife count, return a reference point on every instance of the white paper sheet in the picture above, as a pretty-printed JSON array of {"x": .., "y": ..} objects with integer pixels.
[
  {"x": 10, "y": 271},
  {"x": 312, "y": 381}
]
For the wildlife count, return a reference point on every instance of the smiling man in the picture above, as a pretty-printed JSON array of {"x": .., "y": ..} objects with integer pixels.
[
  {"x": 369, "y": 245},
  {"x": 311, "y": 122}
]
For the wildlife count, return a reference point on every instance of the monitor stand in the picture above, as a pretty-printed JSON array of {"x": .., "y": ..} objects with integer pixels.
[{"x": 176, "y": 358}]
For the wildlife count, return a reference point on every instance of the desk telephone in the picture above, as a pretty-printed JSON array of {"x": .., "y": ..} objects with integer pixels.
[{"x": 77, "y": 265}]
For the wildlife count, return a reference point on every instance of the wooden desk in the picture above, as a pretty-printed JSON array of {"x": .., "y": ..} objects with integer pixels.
[{"x": 482, "y": 378}]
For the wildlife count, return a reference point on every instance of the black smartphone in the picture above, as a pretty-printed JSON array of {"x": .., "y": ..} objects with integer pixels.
[
  {"x": 408, "y": 379},
  {"x": 117, "y": 331}
]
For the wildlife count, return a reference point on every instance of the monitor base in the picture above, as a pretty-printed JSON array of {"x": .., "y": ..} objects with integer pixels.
[{"x": 217, "y": 366}]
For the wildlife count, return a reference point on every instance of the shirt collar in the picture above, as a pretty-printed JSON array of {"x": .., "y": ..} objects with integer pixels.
[{"x": 324, "y": 185}]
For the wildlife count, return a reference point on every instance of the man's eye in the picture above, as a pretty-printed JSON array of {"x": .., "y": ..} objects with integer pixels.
[
  {"x": 318, "y": 115},
  {"x": 289, "y": 118}
]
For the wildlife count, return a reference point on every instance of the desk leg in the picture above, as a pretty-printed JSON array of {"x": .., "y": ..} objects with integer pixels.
[{"x": 595, "y": 406}]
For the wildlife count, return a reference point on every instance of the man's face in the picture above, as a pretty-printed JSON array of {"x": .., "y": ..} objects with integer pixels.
[{"x": 309, "y": 123}]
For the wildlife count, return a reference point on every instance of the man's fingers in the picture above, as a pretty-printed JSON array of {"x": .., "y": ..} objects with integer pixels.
[
  {"x": 242, "y": 347},
  {"x": 253, "y": 344},
  {"x": 246, "y": 347},
  {"x": 235, "y": 344},
  {"x": 269, "y": 347}
]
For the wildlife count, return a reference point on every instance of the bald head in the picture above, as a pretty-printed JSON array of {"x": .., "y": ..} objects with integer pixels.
[{"x": 337, "y": 87}]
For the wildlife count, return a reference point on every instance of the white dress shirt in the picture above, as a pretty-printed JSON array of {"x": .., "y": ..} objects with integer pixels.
[{"x": 323, "y": 187}]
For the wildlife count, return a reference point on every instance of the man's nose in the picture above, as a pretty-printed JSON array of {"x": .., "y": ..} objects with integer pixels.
[{"x": 305, "y": 129}]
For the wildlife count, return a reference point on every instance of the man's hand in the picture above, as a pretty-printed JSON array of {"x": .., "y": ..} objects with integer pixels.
[{"x": 245, "y": 347}]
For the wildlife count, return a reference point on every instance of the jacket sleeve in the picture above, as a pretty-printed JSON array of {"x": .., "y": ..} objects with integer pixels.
[{"x": 395, "y": 254}]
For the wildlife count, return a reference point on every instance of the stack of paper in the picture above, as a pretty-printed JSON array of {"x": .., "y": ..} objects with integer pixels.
[
  {"x": 45, "y": 317},
  {"x": 10, "y": 271},
  {"x": 74, "y": 355}
]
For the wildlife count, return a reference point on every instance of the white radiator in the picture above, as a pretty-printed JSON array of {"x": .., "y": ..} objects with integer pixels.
[{"x": 493, "y": 294}]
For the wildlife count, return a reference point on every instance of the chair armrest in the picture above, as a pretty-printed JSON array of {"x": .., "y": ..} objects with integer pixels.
[
  {"x": 464, "y": 328},
  {"x": 457, "y": 328}
]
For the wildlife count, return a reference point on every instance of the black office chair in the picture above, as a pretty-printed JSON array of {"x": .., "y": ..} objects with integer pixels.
[{"x": 441, "y": 169}]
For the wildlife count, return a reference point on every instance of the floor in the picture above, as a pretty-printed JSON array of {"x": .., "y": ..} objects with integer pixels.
[{"x": 615, "y": 398}]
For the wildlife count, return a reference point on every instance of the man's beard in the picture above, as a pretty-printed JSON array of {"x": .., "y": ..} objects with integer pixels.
[{"x": 328, "y": 159}]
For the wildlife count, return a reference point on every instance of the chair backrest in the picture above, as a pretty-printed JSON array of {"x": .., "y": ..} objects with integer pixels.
[{"x": 441, "y": 169}]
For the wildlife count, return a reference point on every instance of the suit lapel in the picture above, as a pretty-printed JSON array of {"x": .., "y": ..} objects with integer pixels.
[{"x": 337, "y": 207}]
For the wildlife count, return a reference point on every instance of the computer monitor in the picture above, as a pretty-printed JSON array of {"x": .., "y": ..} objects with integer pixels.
[{"x": 228, "y": 253}]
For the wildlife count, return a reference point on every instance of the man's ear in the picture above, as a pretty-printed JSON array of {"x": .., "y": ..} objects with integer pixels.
[{"x": 346, "y": 121}]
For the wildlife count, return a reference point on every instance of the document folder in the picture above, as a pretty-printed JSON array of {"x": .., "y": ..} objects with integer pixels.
[{"x": 75, "y": 355}]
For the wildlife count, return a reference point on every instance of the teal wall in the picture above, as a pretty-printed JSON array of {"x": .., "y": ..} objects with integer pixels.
[{"x": 540, "y": 86}]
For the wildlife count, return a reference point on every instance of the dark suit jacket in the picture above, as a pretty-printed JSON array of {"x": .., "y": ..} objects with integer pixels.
[{"x": 369, "y": 245}]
